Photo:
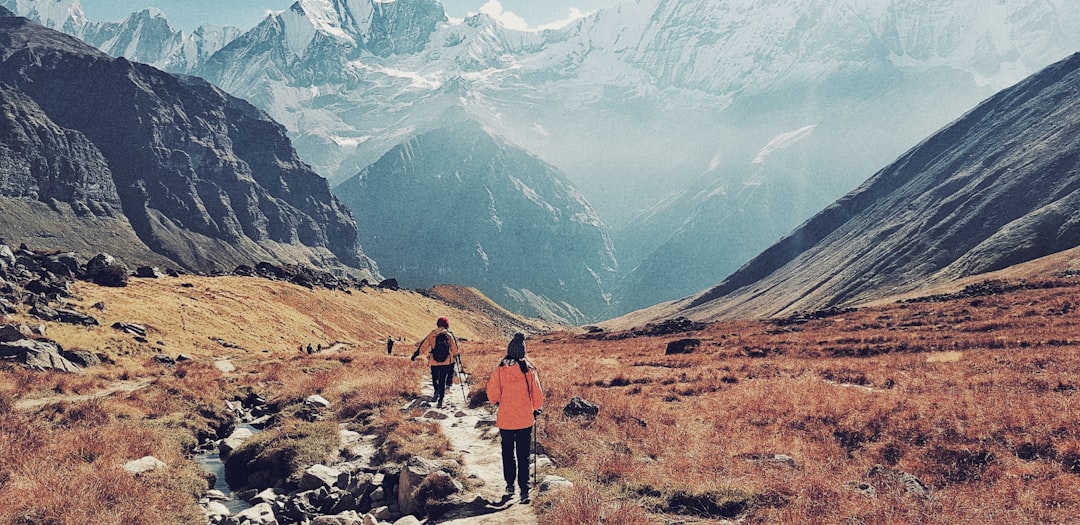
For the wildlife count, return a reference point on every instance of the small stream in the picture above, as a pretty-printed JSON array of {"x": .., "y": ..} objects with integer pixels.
[{"x": 211, "y": 461}]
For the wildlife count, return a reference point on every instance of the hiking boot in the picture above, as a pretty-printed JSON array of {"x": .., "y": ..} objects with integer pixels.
[
  {"x": 439, "y": 404},
  {"x": 509, "y": 490},
  {"x": 525, "y": 499}
]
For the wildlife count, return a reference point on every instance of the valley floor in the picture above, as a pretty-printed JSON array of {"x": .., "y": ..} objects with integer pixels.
[{"x": 949, "y": 408}]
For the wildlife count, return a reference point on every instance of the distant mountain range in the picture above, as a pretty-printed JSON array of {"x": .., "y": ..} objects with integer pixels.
[
  {"x": 999, "y": 187},
  {"x": 149, "y": 166},
  {"x": 700, "y": 131},
  {"x": 533, "y": 242}
]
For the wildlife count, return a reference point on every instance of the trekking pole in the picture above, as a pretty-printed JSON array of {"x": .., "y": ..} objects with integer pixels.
[
  {"x": 461, "y": 378},
  {"x": 536, "y": 430}
]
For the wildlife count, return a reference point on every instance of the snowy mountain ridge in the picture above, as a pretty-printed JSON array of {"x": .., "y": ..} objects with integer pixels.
[{"x": 766, "y": 111}]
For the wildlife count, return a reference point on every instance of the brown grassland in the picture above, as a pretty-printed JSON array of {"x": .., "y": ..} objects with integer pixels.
[{"x": 957, "y": 410}]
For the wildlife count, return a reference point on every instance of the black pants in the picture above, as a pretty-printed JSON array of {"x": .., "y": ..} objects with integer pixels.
[
  {"x": 516, "y": 442},
  {"x": 442, "y": 378}
]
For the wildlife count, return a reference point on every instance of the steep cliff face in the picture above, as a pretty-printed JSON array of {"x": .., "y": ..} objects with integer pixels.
[
  {"x": 998, "y": 187},
  {"x": 204, "y": 178},
  {"x": 531, "y": 242},
  {"x": 41, "y": 161}
]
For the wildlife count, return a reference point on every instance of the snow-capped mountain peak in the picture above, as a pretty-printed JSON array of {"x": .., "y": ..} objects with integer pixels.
[{"x": 62, "y": 15}]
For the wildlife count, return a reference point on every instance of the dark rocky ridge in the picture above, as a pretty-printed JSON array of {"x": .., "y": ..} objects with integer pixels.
[
  {"x": 998, "y": 187},
  {"x": 204, "y": 179}
]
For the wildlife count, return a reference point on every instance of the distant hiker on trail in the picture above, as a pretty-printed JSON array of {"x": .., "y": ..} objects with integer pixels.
[
  {"x": 515, "y": 388},
  {"x": 389, "y": 345},
  {"x": 441, "y": 346}
]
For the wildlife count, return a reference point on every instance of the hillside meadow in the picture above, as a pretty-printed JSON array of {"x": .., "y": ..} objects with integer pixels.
[{"x": 952, "y": 408}]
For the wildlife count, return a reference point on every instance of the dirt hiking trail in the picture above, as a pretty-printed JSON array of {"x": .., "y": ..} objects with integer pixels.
[{"x": 471, "y": 433}]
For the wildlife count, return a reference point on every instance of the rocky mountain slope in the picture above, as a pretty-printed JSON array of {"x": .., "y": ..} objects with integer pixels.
[
  {"x": 996, "y": 188},
  {"x": 534, "y": 243},
  {"x": 203, "y": 179},
  {"x": 767, "y": 112}
]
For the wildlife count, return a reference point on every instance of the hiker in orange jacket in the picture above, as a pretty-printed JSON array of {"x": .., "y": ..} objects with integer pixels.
[
  {"x": 441, "y": 347},
  {"x": 515, "y": 388}
]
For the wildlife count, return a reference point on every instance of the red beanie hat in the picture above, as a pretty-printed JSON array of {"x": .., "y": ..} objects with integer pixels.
[{"x": 443, "y": 322}]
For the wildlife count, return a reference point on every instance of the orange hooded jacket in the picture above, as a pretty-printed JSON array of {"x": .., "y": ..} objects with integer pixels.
[
  {"x": 428, "y": 344},
  {"x": 517, "y": 395}
]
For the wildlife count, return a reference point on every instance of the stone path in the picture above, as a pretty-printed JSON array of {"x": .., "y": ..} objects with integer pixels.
[
  {"x": 118, "y": 386},
  {"x": 471, "y": 432}
]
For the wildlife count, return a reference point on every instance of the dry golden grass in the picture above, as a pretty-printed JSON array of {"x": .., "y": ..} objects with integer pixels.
[
  {"x": 60, "y": 458},
  {"x": 772, "y": 422},
  {"x": 973, "y": 396}
]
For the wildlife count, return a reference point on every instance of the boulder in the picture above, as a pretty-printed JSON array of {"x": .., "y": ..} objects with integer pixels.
[
  {"x": 37, "y": 355},
  {"x": 11, "y": 332},
  {"x": 147, "y": 272},
  {"x": 144, "y": 465},
  {"x": 216, "y": 510},
  {"x": 82, "y": 358},
  {"x": 322, "y": 476},
  {"x": 580, "y": 407},
  {"x": 69, "y": 316},
  {"x": 99, "y": 262},
  {"x": 682, "y": 346},
  {"x": 131, "y": 328},
  {"x": 112, "y": 276},
  {"x": 7, "y": 257},
  {"x": 345, "y": 518},
  {"x": 413, "y": 474},
  {"x": 317, "y": 401},
  {"x": 233, "y": 442},
  {"x": 261, "y": 514},
  {"x": 552, "y": 482}
]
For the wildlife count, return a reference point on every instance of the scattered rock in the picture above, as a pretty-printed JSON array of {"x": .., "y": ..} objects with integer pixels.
[
  {"x": 147, "y": 272},
  {"x": 261, "y": 514},
  {"x": 580, "y": 407},
  {"x": 317, "y": 401},
  {"x": 82, "y": 358},
  {"x": 11, "y": 332},
  {"x": 320, "y": 476},
  {"x": 144, "y": 465},
  {"x": 682, "y": 346},
  {"x": 37, "y": 355},
  {"x": 552, "y": 482}
]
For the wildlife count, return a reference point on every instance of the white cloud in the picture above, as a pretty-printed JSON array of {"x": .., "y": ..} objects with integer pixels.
[
  {"x": 512, "y": 20},
  {"x": 508, "y": 19},
  {"x": 575, "y": 14},
  {"x": 782, "y": 141}
]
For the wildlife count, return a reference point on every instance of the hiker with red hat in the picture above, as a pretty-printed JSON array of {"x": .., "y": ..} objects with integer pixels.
[{"x": 441, "y": 347}]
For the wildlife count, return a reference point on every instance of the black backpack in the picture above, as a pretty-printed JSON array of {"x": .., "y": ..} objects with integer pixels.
[{"x": 441, "y": 351}]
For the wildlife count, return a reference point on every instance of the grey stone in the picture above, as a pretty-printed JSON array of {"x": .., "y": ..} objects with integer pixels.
[
  {"x": 261, "y": 514},
  {"x": 217, "y": 509},
  {"x": 318, "y": 476},
  {"x": 144, "y": 465},
  {"x": 7, "y": 257},
  {"x": 12, "y": 332},
  {"x": 580, "y": 407},
  {"x": 37, "y": 355},
  {"x": 344, "y": 518},
  {"x": 552, "y": 482},
  {"x": 316, "y": 400}
]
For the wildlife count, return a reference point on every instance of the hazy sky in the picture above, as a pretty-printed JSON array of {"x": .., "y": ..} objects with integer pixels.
[{"x": 188, "y": 14}]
